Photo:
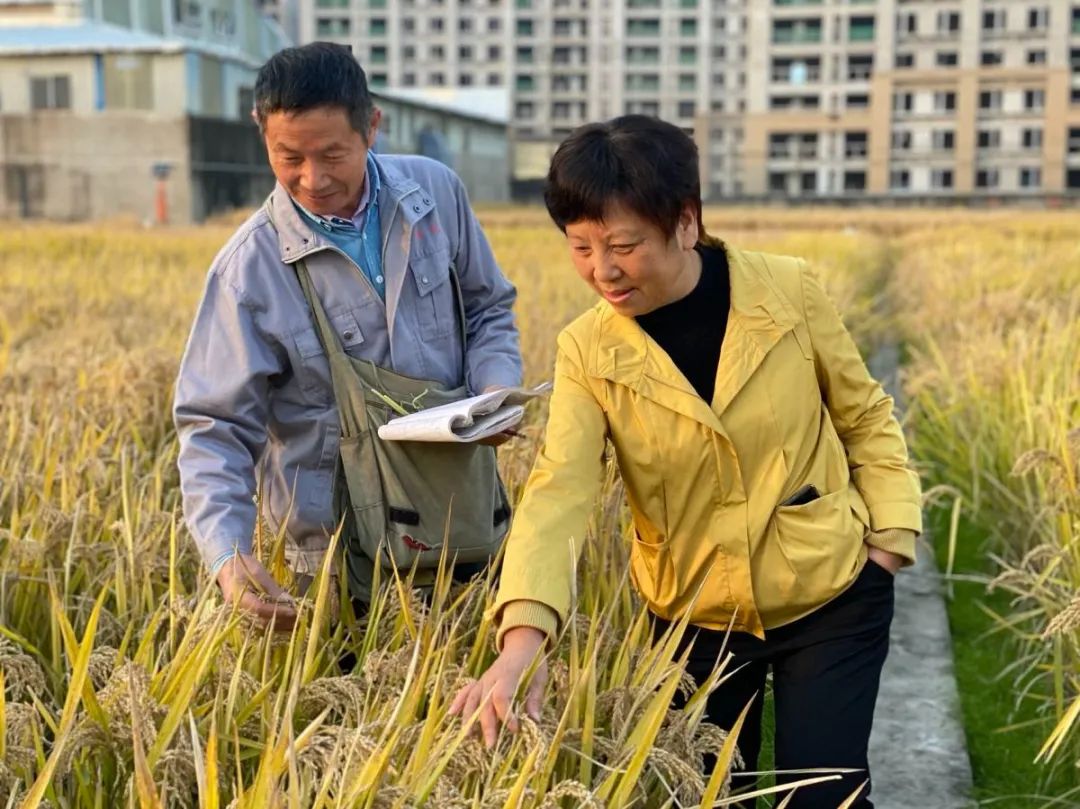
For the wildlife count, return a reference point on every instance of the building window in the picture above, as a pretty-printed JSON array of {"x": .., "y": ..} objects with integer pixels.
[
  {"x": 524, "y": 82},
  {"x": 465, "y": 80},
  {"x": 686, "y": 109},
  {"x": 1076, "y": 20},
  {"x": 854, "y": 181},
  {"x": 907, "y": 23},
  {"x": 903, "y": 102},
  {"x": 808, "y": 182},
  {"x": 494, "y": 53},
  {"x": 50, "y": 93},
  {"x": 378, "y": 80},
  {"x": 1074, "y": 140},
  {"x": 901, "y": 140},
  {"x": 946, "y": 59},
  {"x": 991, "y": 58},
  {"x": 856, "y": 144},
  {"x": 1030, "y": 177},
  {"x": 436, "y": 52},
  {"x": 948, "y": 22},
  {"x": 859, "y": 68},
  {"x": 1037, "y": 56},
  {"x": 465, "y": 25},
  {"x": 1034, "y": 99},
  {"x": 861, "y": 29},
  {"x": 524, "y": 28},
  {"x": 332, "y": 26},
  {"x": 524, "y": 109},
  {"x": 524, "y": 54},
  {"x": 899, "y": 179},
  {"x": 989, "y": 139},
  {"x": 494, "y": 79},
  {"x": 989, "y": 100},
  {"x": 408, "y": 25},
  {"x": 941, "y": 179},
  {"x": 687, "y": 55},
  {"x": 805, "y": 31},
  {"x": 408, "y": 79},
  {"x": 943, "y": 140},
  {"x": 944, "y": 101},
  {"x": 465, "y": 53},
  {"x": 378, "y": 26},
  {"x": 1074, "y": 96},
  {"x": 378, "y": 54},
  {"x": 857, "y": 101},
  {"x": 436, "y": 79},
  {"x": 1038, "y": 19},
  {"x": 687, "y": 81},
  {"x": 643, "y": 28},
  {"x": 494, "y": 25},
  {"x": 904, "y": 60},
  {"x": 993, "y": 21},
  {"x": 796, "y": 71},
  {"x": 987, "y": 178},
  {"x": 777, "y": 182},
  {"x": 1031, "y": 137}
]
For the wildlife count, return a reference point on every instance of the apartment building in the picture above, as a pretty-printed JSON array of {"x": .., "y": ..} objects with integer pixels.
[
  {"x": 912, "y": 98},
  {"x": 786, "y": 98}
]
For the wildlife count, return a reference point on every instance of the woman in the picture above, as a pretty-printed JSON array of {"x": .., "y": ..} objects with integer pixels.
[{"x": 765, "y": 472}]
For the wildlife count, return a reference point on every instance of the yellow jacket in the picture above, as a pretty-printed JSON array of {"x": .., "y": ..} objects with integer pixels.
[{"x": 794, "y": 404}]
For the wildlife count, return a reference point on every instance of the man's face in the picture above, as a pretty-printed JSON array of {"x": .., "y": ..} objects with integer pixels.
[{"x": 319, "y": 158}]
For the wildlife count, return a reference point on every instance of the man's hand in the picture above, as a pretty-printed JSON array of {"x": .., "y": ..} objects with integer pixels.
[
  {"x": 494, "y": 692},
  {"x": 890, "y": 561},
  {"x": 498, "y": 439},
  {"x": 244, "y": 579}
]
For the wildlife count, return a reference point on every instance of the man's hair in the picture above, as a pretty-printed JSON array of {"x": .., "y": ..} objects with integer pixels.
[
  {"x": 643, "y": 164},
  {"x": 321, "y": 74}
]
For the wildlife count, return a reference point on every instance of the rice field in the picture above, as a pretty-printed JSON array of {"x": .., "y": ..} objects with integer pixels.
[{"x": 125, "y": 681}]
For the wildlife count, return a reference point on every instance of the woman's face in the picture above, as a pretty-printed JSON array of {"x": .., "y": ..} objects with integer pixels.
[{"x": 631, "y": 264}]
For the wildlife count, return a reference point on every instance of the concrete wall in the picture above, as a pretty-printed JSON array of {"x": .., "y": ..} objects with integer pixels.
[
  {"x": 478, "y": 151},
  {"x": 72, "y": 167}
]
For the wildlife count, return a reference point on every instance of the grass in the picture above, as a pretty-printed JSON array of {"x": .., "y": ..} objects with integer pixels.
[{"x": 1003, "y": 730}]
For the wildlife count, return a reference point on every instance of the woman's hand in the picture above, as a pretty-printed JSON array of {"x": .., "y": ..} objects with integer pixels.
[
  {"x": 890, "y": 561},
  {"x": 494, "y": 692},
  {"x": 243, "y": 578}
]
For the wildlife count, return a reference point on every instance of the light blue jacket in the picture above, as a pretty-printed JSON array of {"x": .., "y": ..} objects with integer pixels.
[{"x": 254, "y": 408}]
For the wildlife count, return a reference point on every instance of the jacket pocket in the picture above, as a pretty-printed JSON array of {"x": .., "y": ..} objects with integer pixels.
[
  {"x": 436, "y": 309},
  {"x": 817, "y": 539},
  {"x": 313, "y": 373}
]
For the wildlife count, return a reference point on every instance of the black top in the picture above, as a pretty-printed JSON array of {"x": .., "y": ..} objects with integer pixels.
[{"x": 691, "y": 330}]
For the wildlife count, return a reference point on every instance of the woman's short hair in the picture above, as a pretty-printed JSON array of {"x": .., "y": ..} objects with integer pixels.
[
  {"x": 320, "y": 74},
  {"x": 643, "y": 164}
]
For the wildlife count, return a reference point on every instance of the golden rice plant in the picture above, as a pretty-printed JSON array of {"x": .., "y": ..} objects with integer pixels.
[
  {"x": 124, "y": 680},
  {"x": 993, "y": 325}
]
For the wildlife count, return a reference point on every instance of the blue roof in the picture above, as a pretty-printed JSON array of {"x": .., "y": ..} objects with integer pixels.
[
  {"x": 82, "y": 37},
  {"x": 96, "y": 37}
]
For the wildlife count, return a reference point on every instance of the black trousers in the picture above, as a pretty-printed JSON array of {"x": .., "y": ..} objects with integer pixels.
[{"x": 826, "y": 668}]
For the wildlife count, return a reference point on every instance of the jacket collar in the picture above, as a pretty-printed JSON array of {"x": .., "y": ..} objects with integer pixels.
[
  {"x": 759, "y": 316},
  {"x": 396, "y": 193}
]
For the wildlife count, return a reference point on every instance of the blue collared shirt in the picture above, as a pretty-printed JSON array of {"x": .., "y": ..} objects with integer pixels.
[{"x": 358, "y": 237}]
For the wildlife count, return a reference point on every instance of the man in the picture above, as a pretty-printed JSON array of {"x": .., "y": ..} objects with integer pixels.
[{"x": 380, "y": 236}]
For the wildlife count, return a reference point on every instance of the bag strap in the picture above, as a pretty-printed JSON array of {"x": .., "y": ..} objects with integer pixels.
[{"x": 328, "y": 337}]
